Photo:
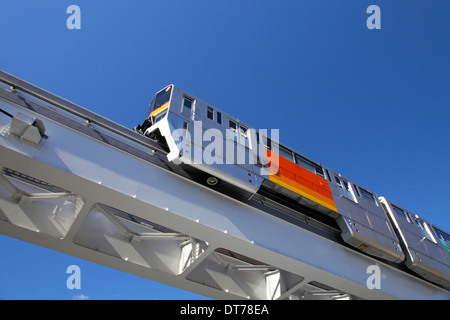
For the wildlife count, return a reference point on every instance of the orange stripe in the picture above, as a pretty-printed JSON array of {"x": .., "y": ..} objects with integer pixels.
[
  {"x": 305, "y": 192},
  {"x": 302, "y": 182}
]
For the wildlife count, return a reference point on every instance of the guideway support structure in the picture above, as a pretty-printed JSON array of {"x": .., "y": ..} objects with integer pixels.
[{"x": 77, "y": 183}]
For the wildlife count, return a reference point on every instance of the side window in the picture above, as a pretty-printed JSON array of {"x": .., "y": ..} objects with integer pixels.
[
  {"x": 348, "y": 190},
  {"x": 286, "y": 153},
  {"x": 319, "y": 171},
  {"x": 345, "y": 188},
  {"x": 309, "y": 165},
  {"x": 267, "y": 143},
  {"x": 368, "y": 196},
  {"x": 187, "y": 103},
  {"x": 233, "y": 125},
  {"x": 219, "y": 117},
  {"x": 243, "y": 131},
  {"x": 303, "y": 163},
  {"x": 401, "y": 213},
  {"x": 328, "y": 175},
  {"x": 356, "y": 189},
  {"x": 426, "y": 232},
  {"x": 210, "y": 113},
  {"x": 186, "y": 128}
]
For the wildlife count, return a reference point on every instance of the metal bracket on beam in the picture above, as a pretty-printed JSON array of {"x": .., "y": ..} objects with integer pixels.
[
  {"x": 138, "y": 236},
  {"x": 22, "y": 195},
  {"x": 31, "y": 129}
]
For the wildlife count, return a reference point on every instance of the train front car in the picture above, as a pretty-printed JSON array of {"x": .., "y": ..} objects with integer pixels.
[
  {"x": 427, "y": 247},
  {"x": 201, "y": 140},
  {"x": 158, "y": 110}
]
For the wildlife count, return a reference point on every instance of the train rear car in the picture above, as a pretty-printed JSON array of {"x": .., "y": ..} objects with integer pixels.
[{"x": 427, "y": 247}]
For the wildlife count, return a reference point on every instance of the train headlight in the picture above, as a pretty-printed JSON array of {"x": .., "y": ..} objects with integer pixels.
[{"x": 212, "y": 181}]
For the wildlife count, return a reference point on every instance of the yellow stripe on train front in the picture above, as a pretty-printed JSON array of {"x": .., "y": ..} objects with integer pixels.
[{"x": 159, "y": 110}]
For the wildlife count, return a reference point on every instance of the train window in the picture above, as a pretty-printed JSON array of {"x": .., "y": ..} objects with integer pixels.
[
  {"x": 188, "y": 105},
  {"x": 242, "y": 136},
  {"x": 426, "y": 232},
  {"x": 185, "y": 128},
  {"x": 285, "y": 153},
  {"x": 328, "y": 175},
  {"x": 345, "y": 189},
  {"x": 210, "y": 113},
  {"x": 368, "y": 196},
  {"x": 319, "y": 171},
  {"x": 219, "y": 117},
  {"x": 243, "y": 131},
  {"x": 161, "y": 98},
  {"x": 233, "y": 125},
  {"x": 309, "y": 165},
  {"x": 401, "y": 213},
  {"x": 304, "y": 163},
  {"x": 267, "y": 143},
  {"x": 348, "y": 190},
  {"x": 356, "y": 189}
]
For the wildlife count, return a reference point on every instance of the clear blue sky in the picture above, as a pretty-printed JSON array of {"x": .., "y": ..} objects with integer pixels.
[{"x": 371, "y": 104}]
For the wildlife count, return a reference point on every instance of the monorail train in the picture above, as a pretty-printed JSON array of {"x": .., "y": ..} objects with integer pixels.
[{"x": 227, "y": 150}]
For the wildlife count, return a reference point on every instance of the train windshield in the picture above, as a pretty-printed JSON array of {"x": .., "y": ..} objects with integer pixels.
[
  {"x": 160, "y": 104},
  {"x": 161, "y": 98}
]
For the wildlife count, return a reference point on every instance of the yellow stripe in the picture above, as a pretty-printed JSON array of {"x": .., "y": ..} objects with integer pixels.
[
  {"x": 159, "y": 110},
  {"x": 302, "y": 193}
]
